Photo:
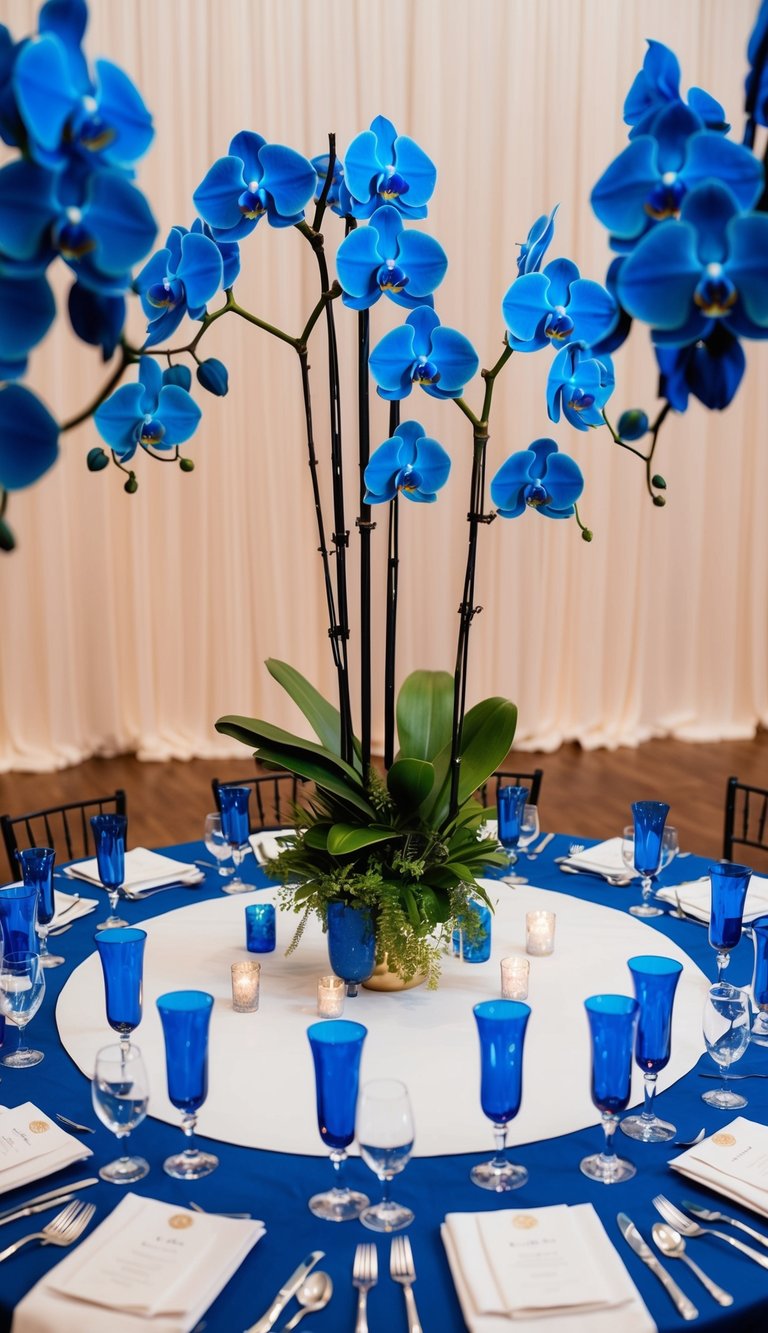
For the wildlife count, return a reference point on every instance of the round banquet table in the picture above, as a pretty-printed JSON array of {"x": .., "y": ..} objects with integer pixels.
[{"x": 275, "y": 1185}]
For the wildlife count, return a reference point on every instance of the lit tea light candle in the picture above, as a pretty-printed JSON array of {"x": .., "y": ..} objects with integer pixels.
[
  {"x": 260, "y": 928},
  {"x": 539, "y": 932},
  {"x": 330, "y": 997},
  {"x": 245, "y": 986},
  {"x": 514, "y": 978}
]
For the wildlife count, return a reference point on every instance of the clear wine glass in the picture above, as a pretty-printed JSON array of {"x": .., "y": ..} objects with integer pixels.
[
  {"x": 727, "y": 1019},
  {"x": 109, "y": 836},
  {"x": 217, "y": 844},
  {"x": 529, "y": 826},
  {"x": 22, "y": 987},
  {"x": 37, "y": 871},
  {"x": 120, "y": 1093},
  {"x": 510, "y": 806},
  {"x": 385, "y": 1134}
]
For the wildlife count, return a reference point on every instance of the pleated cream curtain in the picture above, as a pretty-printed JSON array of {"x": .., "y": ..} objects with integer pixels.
[{"x": 131, "y": 623}]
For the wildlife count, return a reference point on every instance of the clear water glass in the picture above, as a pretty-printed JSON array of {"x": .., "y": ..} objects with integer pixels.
[
  {"x": 727, "y": 1018},
  {"x": 529, "y": 826},
  {"x": 217, "y": 845},
  {"x": 37, "y": 872},
  {"x": 385, "y": 1134},
  {"x": 22, "y": 987},
  {"x": 120, "y": 1094}
]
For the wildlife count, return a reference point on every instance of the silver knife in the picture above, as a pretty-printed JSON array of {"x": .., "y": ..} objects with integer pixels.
[
  {"x": 546, "y": 840},
  {"x": 285, "y": 1293},
  {"x": 25, "y": 1209},
  {"x": 635, "y": 1241}
]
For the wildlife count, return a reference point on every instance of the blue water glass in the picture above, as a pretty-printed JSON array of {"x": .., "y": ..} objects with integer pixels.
[
  {"x": 351, "y": 944},
  {"x": 612, "y": 1026},
  {"x": 478, "y": 948},
  {"x": 18, "y": 915},
  {"x": 511, "y": 802},
  {"x": 235, "y": 825},
  {"x": 649, "y": 820},
  {"x": 336, "y": 1046},
  {"x": 185, "y": 1016},
  {"x": 730, "y": 883},
  {"x": 109, "y": 838},
  {"x": 760, "y": 980},
  {"x": 655, "y": 980},
  {"x": 121, "y": 950},
  {"x": 37, "y": 871},
  {"x": 260, "y": 931},
  {"x": 501, "y": 1027}
]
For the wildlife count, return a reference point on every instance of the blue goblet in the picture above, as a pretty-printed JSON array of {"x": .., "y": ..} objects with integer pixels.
[
  {"x": 109, "y": 837},
  {"x": 501, "y": 1027},
  {"x": 649, "y": 819},
  {"x": 236, "y": 827},
  {"x": 612, "y": 1023},
  {"x": 336, "y": 1049},
  {"x": 729, "y": 893},
  {"x": 760, "y": 981},
  {"x": 655, "y": 982},
  {"x": 185, "y": 1016},
  {"x": 351, "y": 944},
  {"x": 121, "y": 950},
  {"x": 18, "y": 914},
  {"x": 511, "y": 803},
  {"x": 37, "y": 871}
]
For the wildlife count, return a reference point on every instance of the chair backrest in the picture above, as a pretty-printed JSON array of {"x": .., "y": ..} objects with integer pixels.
[
  {"x": 65, "y": 827},
  {"x": 746, "y": 822},
  {"x": 488, "y": 794},
  {"x": 275, "y": 797}
]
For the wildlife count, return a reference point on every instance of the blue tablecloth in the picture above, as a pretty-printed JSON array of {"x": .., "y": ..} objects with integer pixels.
[{"x": 276, "y": 1187}]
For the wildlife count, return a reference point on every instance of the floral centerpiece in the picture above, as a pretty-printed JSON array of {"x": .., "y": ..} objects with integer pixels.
[{"x": 684, "y": 205}]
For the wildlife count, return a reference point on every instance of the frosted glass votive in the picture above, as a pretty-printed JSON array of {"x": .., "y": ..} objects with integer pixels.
[
  {"x": 514, "y": 978},
  {"x": 245, "y": 986},
  {"x": 539, "y": 932},
  {"x": 330, "y": 997}
]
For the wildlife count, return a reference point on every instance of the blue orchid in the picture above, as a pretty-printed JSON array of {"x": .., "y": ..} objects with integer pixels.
[
  {"x": 710, "y": 369},
  {"x": 756, "y": 86},
  {"x": 182, "y": 278},
  {"x": 539, "y": 478},
  {"x": 384, "y": 167},
  {"x": 155, "y": 413},
  {"x": 621, "y": 329},
  {"x": 29, "y": 438},
  {"x": 338, "y": 199},
  {"x": 536, "y": 244},
  {"x": 27, "y": 310},
  {"x": 255, "y": 180},
  {"x": 657, "y": 85},
  {"x": 710, "y": 265},
  {"x": 648, "y": 181},
  {"x": 579, "y": 385},
  {"x": 410, "y": 463},
  {"x": 556, "y": 307},
  {"x": 95, "y": 318},
  {"x": 385, "y": 258},
  {"x": 423, "y": 352}
]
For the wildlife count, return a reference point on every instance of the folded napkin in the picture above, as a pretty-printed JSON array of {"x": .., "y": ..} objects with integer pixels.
[
  {"x": 143, "y": 870},
  {"x": 266, "y": 845},
  {"x": 696, "y": 898},
  {"x": 604, "y": 858},
  {"x": 551, "y": 1268},
  {"x": 153, "y": 1266},
  {"x": 732, "y": 1162},
  {"x": 64, "y": 912},
  {"x": 33, "y": 1146}
]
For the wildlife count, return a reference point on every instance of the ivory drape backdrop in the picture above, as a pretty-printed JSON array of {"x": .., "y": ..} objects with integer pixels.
[{"x": 131, "y": 623}]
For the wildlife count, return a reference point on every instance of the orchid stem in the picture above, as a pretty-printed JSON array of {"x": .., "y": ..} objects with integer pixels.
[
  {"x": 365, "y": 527},
  {"x": 393, "y": 561}
]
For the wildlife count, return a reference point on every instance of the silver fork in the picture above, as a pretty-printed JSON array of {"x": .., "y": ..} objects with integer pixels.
[
  {"x": 365, "y": 1274},
  {"x": 711, "y": 1215},
  {"x": 63, "y": 1229},
  {"x": 402, "y": 1270},
  {"x": 686, "y": 1227},
  {"x": 574, "y": 848}
]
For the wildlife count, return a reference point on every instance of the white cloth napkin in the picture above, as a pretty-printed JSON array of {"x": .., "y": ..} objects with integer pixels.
[
  {"x": 150, "y": 1265},
  {"x": 64, "y": 913},
  {"x": 33, "y": 1146},
  {"x": 483, "y": 1302},
  {"x": 696, "y": 898},
  {"x": 604, "y": 858},
  {"x": 732, "y": 1162},
  {"x": 266, "y": 845},
  {"x": 143, "y": 870}
]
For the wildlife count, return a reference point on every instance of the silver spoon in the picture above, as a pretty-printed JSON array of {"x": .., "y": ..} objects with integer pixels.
[
  {"x": 671, "y": 1243},
  {"x": 314, "y": 1294}
]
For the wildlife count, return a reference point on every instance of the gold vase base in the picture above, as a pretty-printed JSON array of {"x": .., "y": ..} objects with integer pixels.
[{"x": 382, "y": 979}]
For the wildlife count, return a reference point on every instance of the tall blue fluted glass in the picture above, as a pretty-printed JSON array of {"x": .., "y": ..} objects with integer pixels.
[
  {"x": 510, "y": 804},
  {"x": 351, "y": 944},
  {"x": 37, "y": 871},
  {"x": 18, "y": 915},
  {"x": 501, "y": 1028},
  {"x": 730, "y": 883},
  {"x": 649, "y": 819},
  {"x": 336, "y": 1046},
  {"x": 121, "y": 950},
  {"x": 655, "y": 980},
  {"x": 235, "y": 824},
  {"x": 612, "y": 1024},
  {"x": 186, "y": 1016},
  {"x": 760, "y": 980},
  {"x": 109, "y": 838}
]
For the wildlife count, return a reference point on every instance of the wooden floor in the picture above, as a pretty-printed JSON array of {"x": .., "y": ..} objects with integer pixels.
[{"x": 583, "y": 792}]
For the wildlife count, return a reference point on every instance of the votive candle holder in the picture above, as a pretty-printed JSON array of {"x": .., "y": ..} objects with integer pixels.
[
  {"x": 330, "y": 997},
  {"x": 260, "y": 928},
  {"x": 539, "y": 932},
  {"x": 514, "y": 978},
  {"x": 246, "y": 977}
]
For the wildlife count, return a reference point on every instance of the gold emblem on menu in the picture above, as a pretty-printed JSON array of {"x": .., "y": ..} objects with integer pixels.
[
  {"x": 38, "y": 1127},
  {"x": 723, "y": 1140},
  {"x": 524, "y": 1222},
  {"x": 180, "y": 1221}
]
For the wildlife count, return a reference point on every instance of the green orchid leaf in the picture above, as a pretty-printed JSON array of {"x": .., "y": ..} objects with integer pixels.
[
  {"x": 435, "y": 903},
  {"x": 460, "y": 870},
  {"x": 346, "y": 838},
  {"x": 487, "y": 735},
  {"x": 255, "y": 732},
  {"x": 323, "y": 718},
  {"x": 324, "y": 778},
  {"x": 411, "y": 905},
  {"x": 424, "y": 714},
  {"x": 409, "y": 782},
  {"x": 317, "y": 837}
]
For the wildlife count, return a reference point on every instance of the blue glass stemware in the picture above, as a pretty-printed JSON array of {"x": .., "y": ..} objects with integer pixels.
[
  {"x": 185, "y": 1016},
  {"x": 121, "y": 950},
  {"x": 760, "y": 981},
  {"x": 336, "y": 1046},
  {"x": 729, "y": 893},
  {"x": 37, "y": 871},
  {"x": 655, "y": 981},
  {"x": 236, "y": 827},
  {"x": 501, "y": 1027},
  {"x": 351, "y": 944},
  {"x": 612, "y": 1023},
  {"x": 649, "y": 819},
  {"x": 109, "y": 837},
  {"x": 18, "y": 914},
  {"x": 511, "y": 803}
]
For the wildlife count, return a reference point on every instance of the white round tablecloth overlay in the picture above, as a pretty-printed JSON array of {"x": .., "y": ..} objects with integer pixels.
[{"x": 261, "y": 1079}]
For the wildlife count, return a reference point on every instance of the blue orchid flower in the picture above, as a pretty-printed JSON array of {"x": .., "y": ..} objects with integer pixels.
[
  {"x": 536, "y": 244},
  {"x": 657, "y": 85},
  {"x": 756, "y": 85},
  {"x": 96, "y": 319},
  {"x": 621, "y": 329},
  {"x": 338, "y": 199},
  {"x": 27, "y": 310},
  {"x": 255, "y": 180},
  {"x": 539, "y": 478},
  {"x": 155, "y": 413},
  {"x": 29, "y": 438},
  {"x": 556, "y": 307},
  {"x": 579, "y": 385},
  {"x": 384, "y": 258},
  {"x": 648, "y": 181},
  {"x": 710, "y": 265},
  {"x": 410, "y": 463},
  {"x": 384, "y": 167},
  {"x": 710, "y": 369},
  {"x": 423, "y": 352},
  {"x": 182, "y": 278}
]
